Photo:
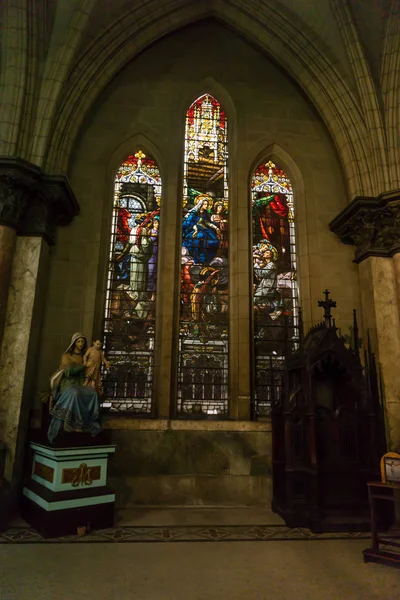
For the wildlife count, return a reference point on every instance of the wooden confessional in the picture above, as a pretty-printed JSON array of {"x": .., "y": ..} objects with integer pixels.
[{"x": 328, "y": 431}]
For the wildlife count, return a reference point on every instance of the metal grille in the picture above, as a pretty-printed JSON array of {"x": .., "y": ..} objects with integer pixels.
[
  {"x": 129, "y": 325},
  {"x": 275, "y": 294},
  {"x": 203, "y": 335}
]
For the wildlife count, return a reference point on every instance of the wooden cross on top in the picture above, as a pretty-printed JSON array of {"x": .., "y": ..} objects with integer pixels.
[{"x": 327, "y": 304}]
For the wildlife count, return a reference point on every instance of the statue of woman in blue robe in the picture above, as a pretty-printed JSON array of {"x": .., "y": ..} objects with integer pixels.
[
  {"x": 199, "y": 234},
  {"x": 75, "y": 407}
]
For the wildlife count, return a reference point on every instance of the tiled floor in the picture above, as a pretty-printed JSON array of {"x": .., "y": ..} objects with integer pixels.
[
  {"x": 280, "y": 570},
  {"x": 197, "y": 516}
]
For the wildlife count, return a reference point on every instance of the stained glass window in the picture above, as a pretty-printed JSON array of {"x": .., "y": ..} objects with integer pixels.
[
  {"x": 275, "y": 293},
  {"x": 131, "y": 286},
  {"x": 203, "y": 335}
]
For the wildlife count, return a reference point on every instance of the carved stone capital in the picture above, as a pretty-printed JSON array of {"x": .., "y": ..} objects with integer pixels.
[
  {"x": 32, "y": 202},
  {"x": 18, "y": 179},
  {"x": 371, "y": 224}
]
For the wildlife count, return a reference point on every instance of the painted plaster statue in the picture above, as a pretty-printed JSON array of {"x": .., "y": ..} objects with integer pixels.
[
  {"x": 75, "y": 406},
  {"x": 92, "y": 360}
]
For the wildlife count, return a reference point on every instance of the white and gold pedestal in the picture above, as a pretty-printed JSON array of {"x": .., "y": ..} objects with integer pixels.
[{"x": 68, "y": 489}]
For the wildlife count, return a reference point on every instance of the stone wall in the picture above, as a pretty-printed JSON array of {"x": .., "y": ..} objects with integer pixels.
[
  {"x": 145, "y": 106},
  {"x": 168, "y": 466},
  {"x": 269, "y": 118}
]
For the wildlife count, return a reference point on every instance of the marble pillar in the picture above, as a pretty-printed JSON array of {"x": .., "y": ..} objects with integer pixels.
[
  {"x": 380, "y": 311},
  {"x": 372, "y": 225},
  {"x": 396, "y": 265},
  {"x": 7, "y": 247},
  {"x": 19, "y": 348}
]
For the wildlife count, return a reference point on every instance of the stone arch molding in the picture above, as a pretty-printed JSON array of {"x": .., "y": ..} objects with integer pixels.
[
  {"x": 209, "y": 86},
  {"x": 142, "y": 139},
  {"x": 271, "y": 31}
]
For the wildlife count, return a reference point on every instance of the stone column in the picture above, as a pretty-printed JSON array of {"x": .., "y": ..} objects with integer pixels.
[
  {"x": 23, "y": 321},
  {"x": 380, "y": 312},
  {"x": 31, "y": 206},
  {"x": 373, "y": 226},
  {"x": 7, "y": 246},
  {"x": 167, "y": 298},
  {"x": 396, "y": 265},
  {"x": 240, "y": 307},
  {"x": 13, "y": 197}
]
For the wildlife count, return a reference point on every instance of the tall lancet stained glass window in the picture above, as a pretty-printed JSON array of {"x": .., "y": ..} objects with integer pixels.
[
  {"x": 129, "y": 325},
  {"x": 203, "y": 334},
  {"x": 275, "y": 293}
]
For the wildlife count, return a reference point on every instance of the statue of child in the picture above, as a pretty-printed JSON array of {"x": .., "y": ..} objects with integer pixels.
[{"x": 93, "y": 359}]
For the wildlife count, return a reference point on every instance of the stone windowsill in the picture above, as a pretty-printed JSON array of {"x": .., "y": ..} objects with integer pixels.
[{"x": 127, "y": 422}]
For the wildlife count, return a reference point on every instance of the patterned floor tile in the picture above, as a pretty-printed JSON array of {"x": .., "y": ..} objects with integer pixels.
[{"x": 223, "y": 533}]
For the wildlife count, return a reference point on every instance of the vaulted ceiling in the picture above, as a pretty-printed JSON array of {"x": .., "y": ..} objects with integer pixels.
[{"x": 344, "y": 54}]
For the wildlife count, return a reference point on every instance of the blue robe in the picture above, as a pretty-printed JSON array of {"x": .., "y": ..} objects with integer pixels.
[
  {"x": 76, "y": 407},
  {"x": 204, "y": 246}
]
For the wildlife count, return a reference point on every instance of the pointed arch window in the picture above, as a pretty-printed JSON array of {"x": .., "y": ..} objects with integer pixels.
[
  {"x": 203, "y": 331},
  {"x": 129, "y": 321},
  {"x": 275, "y": 290}
]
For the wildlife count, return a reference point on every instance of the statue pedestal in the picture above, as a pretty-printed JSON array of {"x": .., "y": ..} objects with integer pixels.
[{"x": 68, "y": 489}]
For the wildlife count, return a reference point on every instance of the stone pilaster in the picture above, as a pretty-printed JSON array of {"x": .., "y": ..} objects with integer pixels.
[
  {"x": 32, "y": 205},
  {"x": 373, "y": 226},
  {"x": 7, "y": 245},
  {"x": 14, "y": 194}
]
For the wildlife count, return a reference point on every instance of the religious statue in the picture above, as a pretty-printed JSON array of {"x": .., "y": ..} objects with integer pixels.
[
  {"x": 93, "y": 359},
  {"x": 75, "y": 405}
]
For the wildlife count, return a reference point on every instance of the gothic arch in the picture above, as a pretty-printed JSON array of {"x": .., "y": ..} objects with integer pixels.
[
  {"x": 143, "y": 139},
  {"x": 214, "y": 88},
  {"x": 271, "y": 31}
]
